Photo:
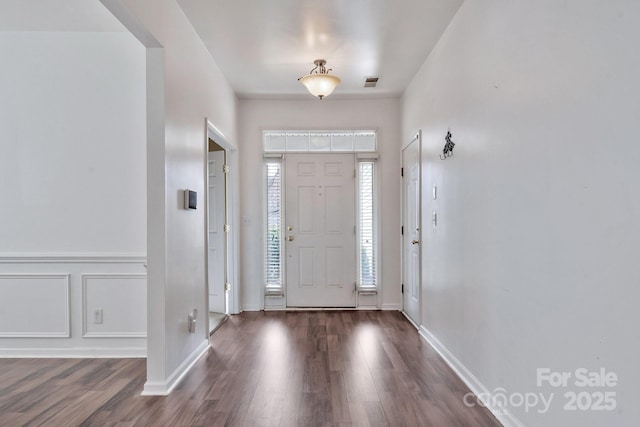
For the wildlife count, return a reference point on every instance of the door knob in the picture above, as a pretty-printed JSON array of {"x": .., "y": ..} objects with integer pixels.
[
  {"x": 415, "y": 242},
  {"x": 290, "y": 238}
]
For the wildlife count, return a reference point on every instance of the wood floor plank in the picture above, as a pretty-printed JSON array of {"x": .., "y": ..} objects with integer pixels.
[
  {"x": 339, "y": 401},
  {"x": 316, "y": 368}
]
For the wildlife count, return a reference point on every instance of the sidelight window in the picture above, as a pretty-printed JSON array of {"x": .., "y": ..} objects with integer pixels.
[
  {"x": 366, "y": 224},
  {"x": 273, "y": 221}
]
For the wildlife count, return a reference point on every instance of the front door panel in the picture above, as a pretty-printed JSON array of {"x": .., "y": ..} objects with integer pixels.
[{"x": 320, "y": 235}]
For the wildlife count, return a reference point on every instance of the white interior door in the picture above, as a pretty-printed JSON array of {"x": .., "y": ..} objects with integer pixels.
[
  {"x": 320, "y": 230},
  {"x": 411, "y": 230},
  {"x": 217, "y": 252}
]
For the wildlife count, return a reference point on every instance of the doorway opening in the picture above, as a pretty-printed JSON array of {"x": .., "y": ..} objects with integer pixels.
[
  {"x": 217, "y": 226},
  {"x": 220, "y": 218}
]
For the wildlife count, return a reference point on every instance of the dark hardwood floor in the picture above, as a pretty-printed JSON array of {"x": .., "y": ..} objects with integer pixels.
[{"x": 323, "y": 368}]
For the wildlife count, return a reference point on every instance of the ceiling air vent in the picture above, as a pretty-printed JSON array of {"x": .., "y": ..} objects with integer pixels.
[{"x": 370, "y": 81}]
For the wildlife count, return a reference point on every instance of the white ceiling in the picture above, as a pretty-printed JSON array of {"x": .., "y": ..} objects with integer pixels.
[
  {"x": 264, "y": 46},
  {"x": 57, "y": 15}
]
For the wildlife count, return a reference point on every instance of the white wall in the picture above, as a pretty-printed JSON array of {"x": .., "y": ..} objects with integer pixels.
[
  {"x": 72, "y": 135},
  {"x": 533, "y": 263},
  {"x": 72, "y": 177},
  {"x": 184, "y": 87},
  {"x": 313, "y": 114}
]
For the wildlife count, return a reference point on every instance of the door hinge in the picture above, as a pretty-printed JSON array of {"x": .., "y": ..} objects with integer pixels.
[
  {"x": 401, "y": 171},
  {"x": 227, "y": 228},
  {"x": 402, "y": 289},
  {"x": 354, "y": 230},
  {"x": 402, "y": 230},
  {"x": 225, "y": 168},
  {"x": 227, "y": 287}
]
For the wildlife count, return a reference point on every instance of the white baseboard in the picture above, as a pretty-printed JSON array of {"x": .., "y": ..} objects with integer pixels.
[
  {"x": 359, "y": 308},
  {"x": 164, "y": 388},
  {"x": 70, "y": 353},
  {"x": 251, "y": 307},
  {"x": 391, "y": 307},
  {"x": 506, "y": 418},
  {"x": 316, "y": 308}
]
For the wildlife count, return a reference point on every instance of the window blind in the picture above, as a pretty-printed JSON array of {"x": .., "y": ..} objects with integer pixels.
[
  {"x": 367, "y": 233},
  {"x": 273, "y": 249}
]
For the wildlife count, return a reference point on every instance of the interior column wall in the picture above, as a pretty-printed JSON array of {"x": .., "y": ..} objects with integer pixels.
[{"x": 187, "y": 88}]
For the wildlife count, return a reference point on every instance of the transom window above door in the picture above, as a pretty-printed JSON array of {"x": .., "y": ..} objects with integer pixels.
[{"x": 335, "y": 141}]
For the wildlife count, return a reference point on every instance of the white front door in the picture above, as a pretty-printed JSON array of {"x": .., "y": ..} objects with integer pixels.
[
  {"x": 217, "y": 254},
  {"x": 411, "y": 230},
  {"x": 320, "y": 230}
]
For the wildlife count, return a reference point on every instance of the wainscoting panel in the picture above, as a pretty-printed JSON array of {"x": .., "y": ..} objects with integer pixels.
[
  {"x": 122, "y": 302},
  {"x": 34, "y": 305},
  {"x": 48, "y": 303}
]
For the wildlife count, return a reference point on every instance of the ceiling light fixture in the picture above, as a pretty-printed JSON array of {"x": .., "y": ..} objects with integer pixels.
[{"x": 318, "y": 81}]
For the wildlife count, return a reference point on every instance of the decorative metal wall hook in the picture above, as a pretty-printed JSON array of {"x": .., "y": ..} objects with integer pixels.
[{"x": 447, "y": 151}]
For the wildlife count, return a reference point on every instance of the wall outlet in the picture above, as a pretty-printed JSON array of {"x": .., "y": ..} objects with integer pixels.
[
  {"x": 97, "y": 316},
  {"x": 191, "y": 324}
]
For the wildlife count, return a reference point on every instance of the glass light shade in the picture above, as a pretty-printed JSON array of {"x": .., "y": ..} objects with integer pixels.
[{"x": 320, "y": 85}]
